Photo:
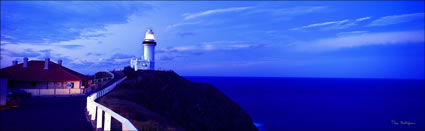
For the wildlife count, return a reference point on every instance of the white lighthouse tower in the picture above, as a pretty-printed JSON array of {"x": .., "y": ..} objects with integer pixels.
[
  {"x": 147, "y": 61},
  {"x": 149, "y": 49}
]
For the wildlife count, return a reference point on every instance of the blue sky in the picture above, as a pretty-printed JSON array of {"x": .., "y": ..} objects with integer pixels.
[{"x": 353, "y": 39}]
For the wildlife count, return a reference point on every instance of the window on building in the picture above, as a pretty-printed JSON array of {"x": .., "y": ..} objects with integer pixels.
[
  {"x": 69, "y": 84},
  {"x": 58, "y": 84},
  {"x": 50, "y": 84}
]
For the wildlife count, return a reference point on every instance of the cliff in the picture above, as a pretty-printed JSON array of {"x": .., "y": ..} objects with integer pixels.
[{"x": 163, "y": 100}]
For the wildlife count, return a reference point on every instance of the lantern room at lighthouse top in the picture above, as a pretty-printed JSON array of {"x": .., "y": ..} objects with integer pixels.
[{"x": 149, "y": 36}]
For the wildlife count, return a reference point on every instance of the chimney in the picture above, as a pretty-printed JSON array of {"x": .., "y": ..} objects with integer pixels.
[
  {"x": 60, "y": 62},
  {"x": 14, "y": 62},
  {"x": 46, "y": 63},
  {"x": 25, "y": 62}
]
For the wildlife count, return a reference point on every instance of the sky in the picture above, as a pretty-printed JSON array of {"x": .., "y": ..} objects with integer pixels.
[{"x": 338, "y": 39}]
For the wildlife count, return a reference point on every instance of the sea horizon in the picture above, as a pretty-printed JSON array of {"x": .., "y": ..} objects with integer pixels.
[
  {"x": 277, "y": 103},
  {"x": 307, "y": 77}
]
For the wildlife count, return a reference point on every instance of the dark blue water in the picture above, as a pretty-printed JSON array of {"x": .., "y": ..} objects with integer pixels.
[{"x": 326, "y": 103}]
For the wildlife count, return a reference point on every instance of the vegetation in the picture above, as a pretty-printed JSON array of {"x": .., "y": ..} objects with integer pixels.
[{"x": 163, "y": 100}]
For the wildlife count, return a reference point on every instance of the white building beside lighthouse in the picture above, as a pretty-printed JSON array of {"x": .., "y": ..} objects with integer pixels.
[{"x": 147, "y": 61}]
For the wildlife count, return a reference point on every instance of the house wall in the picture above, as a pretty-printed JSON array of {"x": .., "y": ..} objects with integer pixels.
[
  {"x": 77, "y": 84},
  {"x": 42, "y": 85},
  {"x": 28, "y": 85},
  {"x": 23, "y": 84}
]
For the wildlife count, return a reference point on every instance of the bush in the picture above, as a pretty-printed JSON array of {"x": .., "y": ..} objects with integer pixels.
[{"x": 129, "y": 72}]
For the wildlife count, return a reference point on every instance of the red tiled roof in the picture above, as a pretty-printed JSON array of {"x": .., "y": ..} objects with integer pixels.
[{"x": 35, "y": 72}]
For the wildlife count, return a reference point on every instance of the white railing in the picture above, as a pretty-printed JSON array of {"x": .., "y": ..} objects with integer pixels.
[
  {"x": 93, "y": 106},
  {"x": 55, "y": 92}
]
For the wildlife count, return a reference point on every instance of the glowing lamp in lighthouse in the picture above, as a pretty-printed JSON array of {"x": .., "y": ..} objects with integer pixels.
[
  {"x": 149, "y": 49},
  {"x": 149, "y": 36}
]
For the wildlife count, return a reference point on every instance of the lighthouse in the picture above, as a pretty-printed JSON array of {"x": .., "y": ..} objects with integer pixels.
[
  {"x": 149, "y": 49},
  {"x": 147, "y": 61}
]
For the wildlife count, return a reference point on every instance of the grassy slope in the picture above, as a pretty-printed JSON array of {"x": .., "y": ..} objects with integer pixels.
[{"x": 163, "y": 100}]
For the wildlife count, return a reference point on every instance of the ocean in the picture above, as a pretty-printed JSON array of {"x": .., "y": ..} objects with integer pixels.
[{"x": 326, "y": 103}]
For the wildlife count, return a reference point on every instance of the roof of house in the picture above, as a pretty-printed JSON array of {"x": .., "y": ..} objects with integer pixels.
[{"x": 35, "y": 72}]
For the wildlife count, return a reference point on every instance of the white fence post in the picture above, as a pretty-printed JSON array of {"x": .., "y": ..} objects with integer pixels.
[
  {"x": 107, "y": 122},
  {"x": 99, "y": 118},
  {"x": 89, "y": 108},
  {"x": 93, "y": 116},
  {"x": 124, "y": 128}
]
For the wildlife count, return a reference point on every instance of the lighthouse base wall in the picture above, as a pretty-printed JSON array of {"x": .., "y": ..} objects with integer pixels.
[{"x": 141, "y": 64}]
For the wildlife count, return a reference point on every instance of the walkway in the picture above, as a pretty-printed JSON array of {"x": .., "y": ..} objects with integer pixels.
[{"x": 47, "y": 113}]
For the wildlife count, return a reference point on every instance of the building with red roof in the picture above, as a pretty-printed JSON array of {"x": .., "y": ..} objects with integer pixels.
[{"x": 45, "y": 74}]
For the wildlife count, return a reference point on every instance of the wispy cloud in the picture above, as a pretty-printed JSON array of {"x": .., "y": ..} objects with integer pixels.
[
  {"x": 385, "y": 38},
  {"x": 351, "y": 33},
  {"x": 25, "y": 53},
  {"x": 397, "y": 19},
  {"x": 4, "y": 42},
  {"x": 38, "y": 22},
  {"x": 231, "y": 45},
  {"x": 363, "y": 19},
  {"x": 290, "y": 11},
  {"x": 84, "y": 62},
  {"x": 244, "y": 46},
  {"x": 93, "y": 54},
  {"x": 116, "y": 60},
  {"x": 182, "y": 24},
  {"x": 209, "y": 46},
  {"x": 332, "y": 25},
  {"x": 188, "y": 16},
  {"x": 71, "y": 46},
  {"x": 171, "y": 53},
  {"x": 337, "y": 23},
  {"x": 169, "y": 57},
  {"x": 119, "y": 57},
  {"x": 177, "y": 49},
  {"x": 47, "y": 52},
  {"x": 227, "y": 64},
  {"x": 183, "y": 34}
]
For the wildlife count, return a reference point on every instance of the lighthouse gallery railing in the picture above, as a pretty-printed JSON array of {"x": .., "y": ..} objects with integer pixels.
[{"x": 92, "y": 106}]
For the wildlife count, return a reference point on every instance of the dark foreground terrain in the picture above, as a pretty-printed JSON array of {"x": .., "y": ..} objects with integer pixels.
[
  {"x": 46, "y": 113},
  {"x": 165, "y": 101}
]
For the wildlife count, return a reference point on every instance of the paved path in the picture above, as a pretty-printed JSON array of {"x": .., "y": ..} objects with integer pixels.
[{"x": 47, "y": 113}]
